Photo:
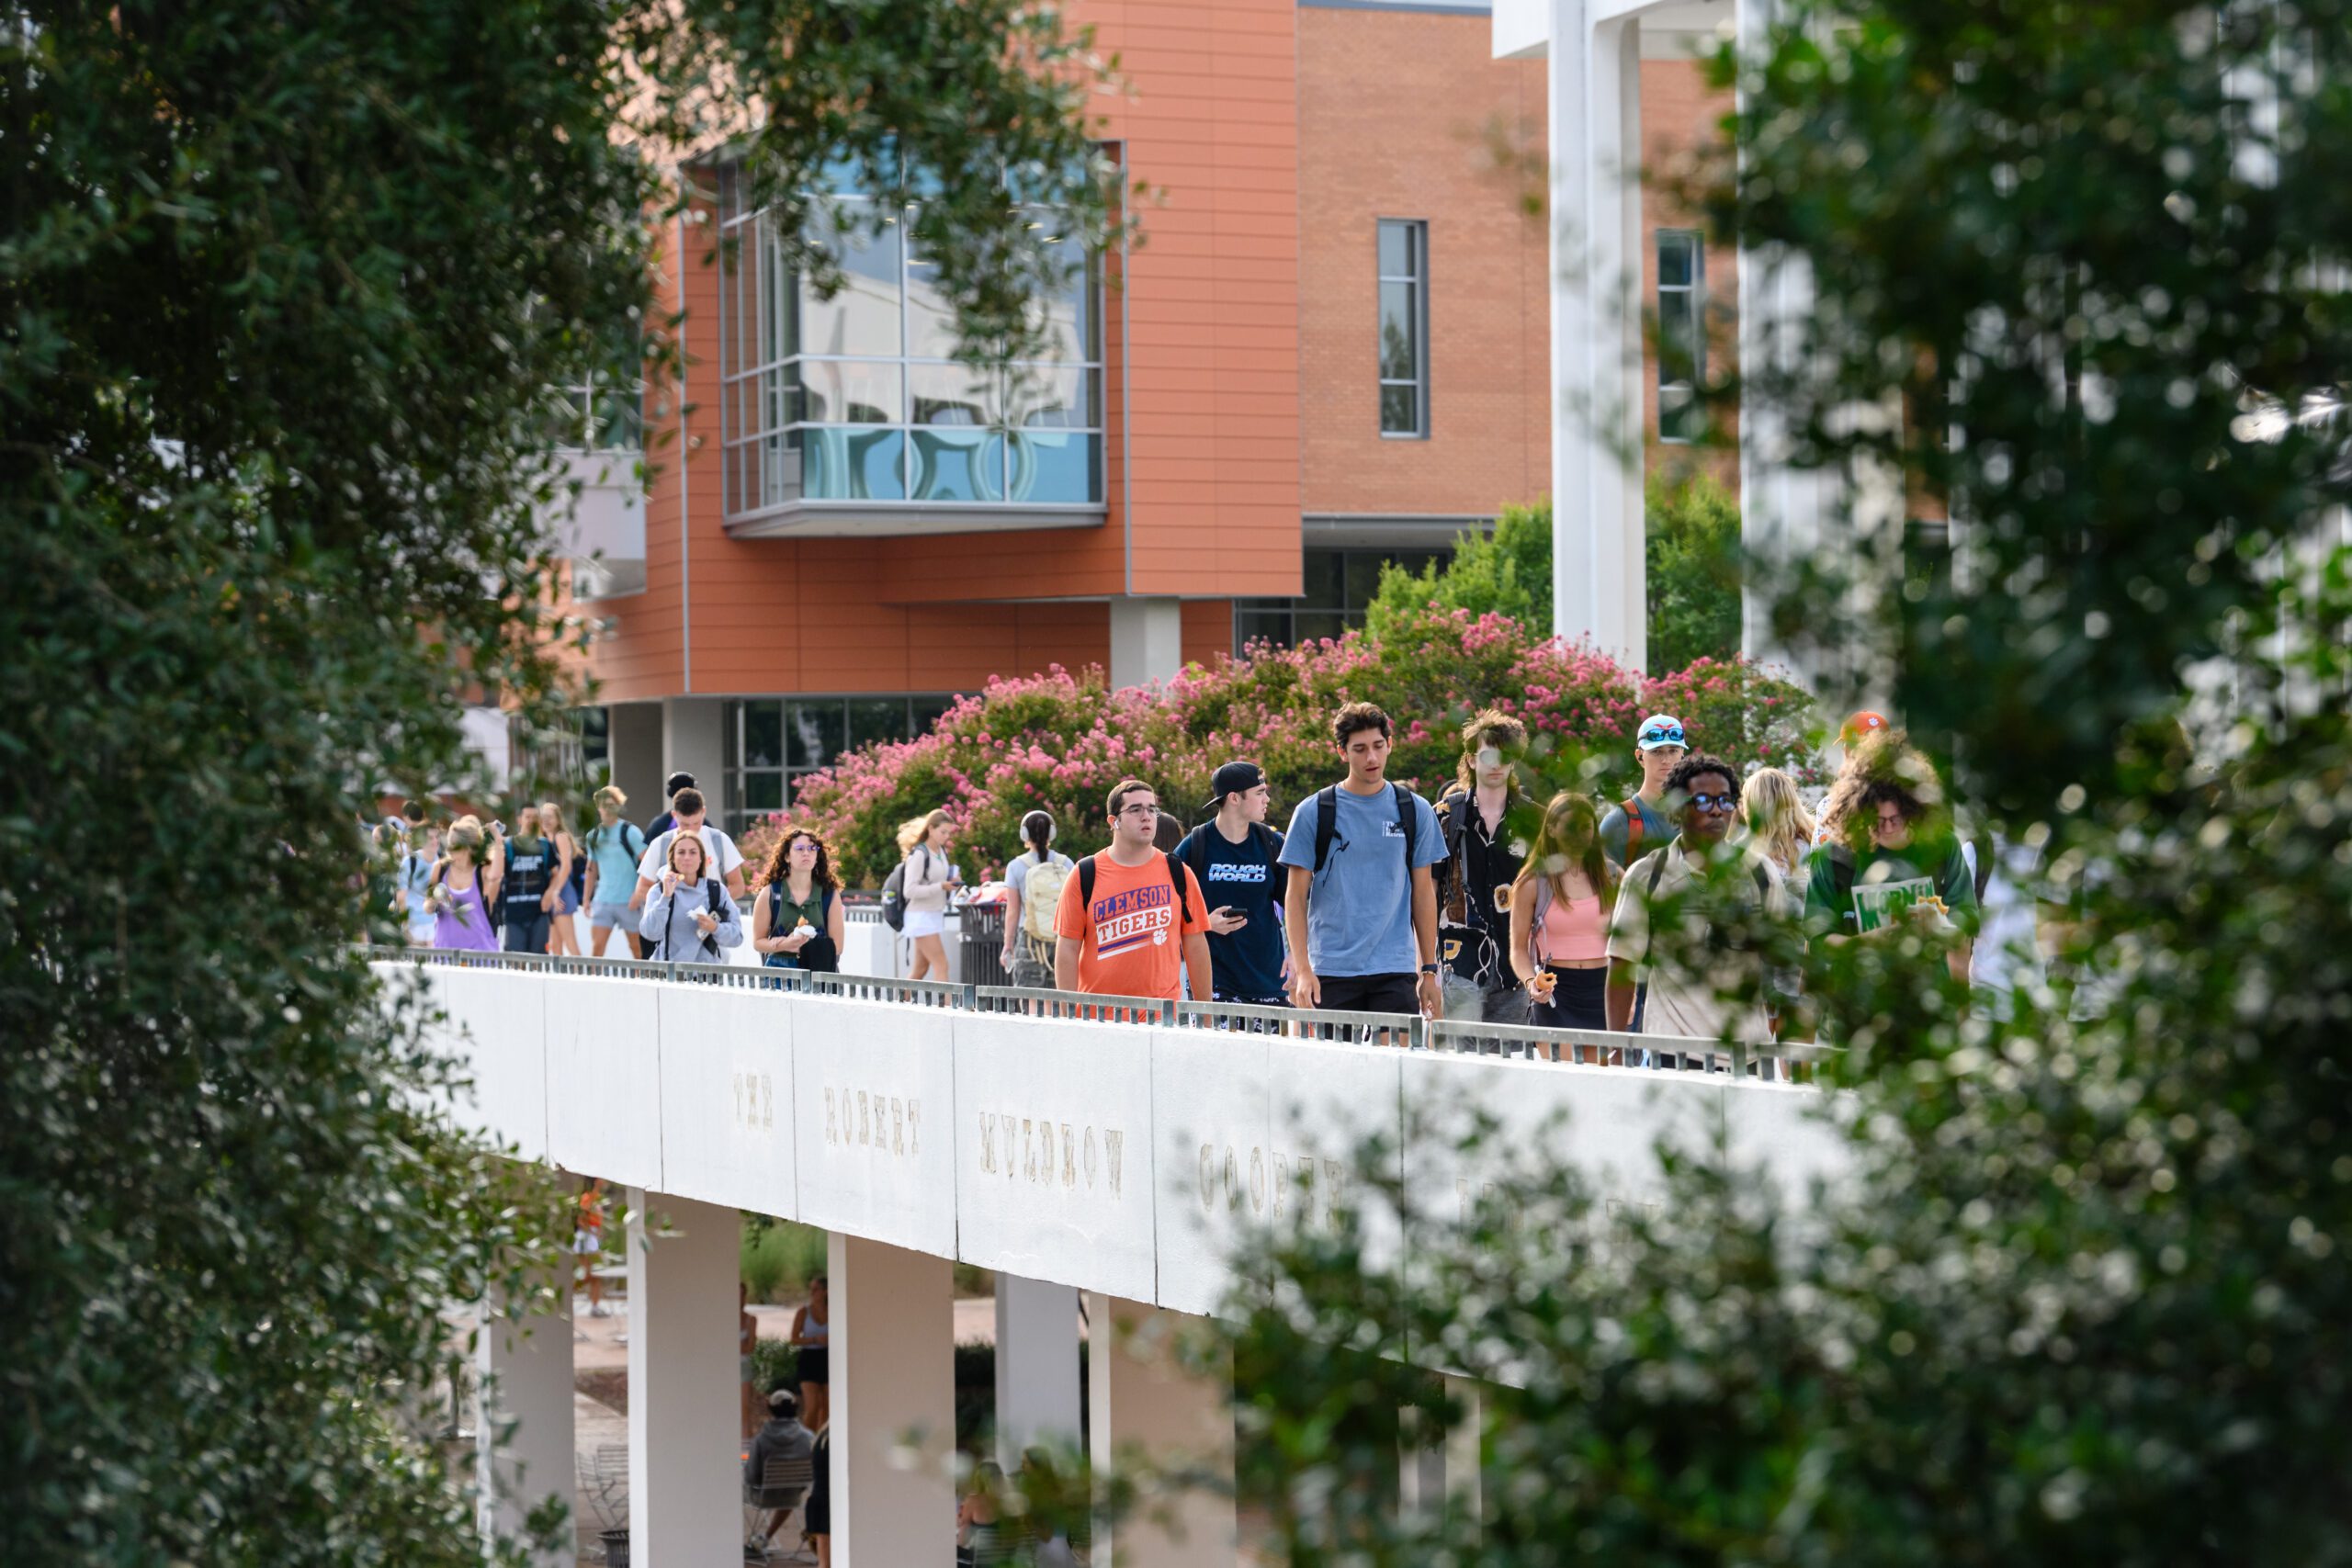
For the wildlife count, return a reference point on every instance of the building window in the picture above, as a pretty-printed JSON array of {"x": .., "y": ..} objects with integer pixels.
[
  {"x": 1339, "y": 586},
  {"x": 1403, "y": 328},
  {"x": 771, "y": 744},
  {"x": 1681, "y": 342},
  {"x": 859, "y": 398}
]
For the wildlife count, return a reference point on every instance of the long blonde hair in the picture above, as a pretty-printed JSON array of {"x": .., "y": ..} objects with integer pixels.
[
  {"x": 1570, "y": 835},
  {"x": 1776, "y": 820},
  {"x": 915, "y": 830}
]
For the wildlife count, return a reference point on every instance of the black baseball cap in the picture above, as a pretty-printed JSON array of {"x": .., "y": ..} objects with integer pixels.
[
  {"x": 678, "y": 781},
  {"x": 1231, "y": 779}
]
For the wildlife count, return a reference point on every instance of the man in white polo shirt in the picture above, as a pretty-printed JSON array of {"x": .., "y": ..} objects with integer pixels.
[{"x": 725, "y": 858}]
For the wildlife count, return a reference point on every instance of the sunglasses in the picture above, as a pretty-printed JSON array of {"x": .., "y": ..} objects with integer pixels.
[
  {"x": 1715, "y": 802},
  {"x": 1662, "y": 737}
]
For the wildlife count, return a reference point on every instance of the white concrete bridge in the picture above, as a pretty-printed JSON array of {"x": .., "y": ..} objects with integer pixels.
[{"x": 925, "y": 1123}]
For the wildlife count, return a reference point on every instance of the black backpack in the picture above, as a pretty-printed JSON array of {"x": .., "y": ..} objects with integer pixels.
[
  {"x": 709, "y": 944},
  {"x": 1327, "y": 823},
  {"x": 1175, "y": 880},
  {"x": 894, "y": 897}
]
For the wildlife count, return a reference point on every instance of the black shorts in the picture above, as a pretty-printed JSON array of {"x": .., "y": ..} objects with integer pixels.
[
  {"x": 1371, "y": 993},
  {"x": 815, "y": 1365}
]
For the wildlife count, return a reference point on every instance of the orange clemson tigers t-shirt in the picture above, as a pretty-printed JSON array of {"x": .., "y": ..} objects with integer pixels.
[{"x": 1132, "y": 935}]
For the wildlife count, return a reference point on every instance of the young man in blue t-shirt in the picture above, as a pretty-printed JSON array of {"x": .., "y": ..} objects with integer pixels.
[
  {"x": 1237, "y": 861},
  {"x": 1362, "y": 914}
]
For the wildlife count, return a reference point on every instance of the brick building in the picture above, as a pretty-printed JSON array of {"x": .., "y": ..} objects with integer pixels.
[{"x": 1329, "y": 351}]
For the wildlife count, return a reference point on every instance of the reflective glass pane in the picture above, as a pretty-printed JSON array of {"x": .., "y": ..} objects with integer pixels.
[
  {"x": 1400, "y": 410},
  {"x": 817, "y": 731},
  {"x": 762, "y": 735},
  {"x": 1320, "y": 579},
  {"x": 730, "y": 753},
  {"x": 1399, "y": 343},
  {"x": 1249, "y": 625},
  {"x": 926, "y": 711},
  {"x": 763, "y": 792},
  {"x": 876, "y": 718},
  {"x": 774, "y": 317},
  {"x": 851, "y": 391},
  {"x": 1055, "y": 467},
  {"x": 1044, "y": 398},
  {"x": 1677, "y": 261},
  {"x": 851, "y": 464},
  {"x": 1679, "y": 417},
  {"x": 1065, "y": 314},
  {"x": 1363, "y": 582},
  {"x": 777, "y": 399},
  {"x": 1396, "y": 250},
  {"x": 863, "y": 318},
  {"x": 931, "y": 320},
  {"x": 1310, "y": 624},
  {"x": 958, "y": 464},
  {"x": 952, "y": 394}
]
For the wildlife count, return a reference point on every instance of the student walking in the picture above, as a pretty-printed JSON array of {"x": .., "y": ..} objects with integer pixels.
[
  {"x": 725, "y": 861},
  {"x": 812, "y": 1340},
  {"x": 1704, "y": 984},
  {"x": 796, "y": 922},
  {"x": 412, "y": 879},
  {"x": 1641, "y": 822},
  {"x": 529, "y": 890},
  {"x": 690, "y": 918},
  {"x": 1773, "y": 818},
  {"x": 1897, "y": 866},
  {"x": 1032, "y": 899},
  {"x": 1560, "y": 903},
  {"x": 1237, "y": 861},
  {"x": 1132, "y": 915},
  {"x": 929, "y": 880},
  {"x": 668, "y": 815},
  {"x": 563, "y": 931},
  {"x": 1363, "y": 921},
  {"x": 460, "y": 890},
  {"x": 613, "y": 848},
  {"x": 1482, "y": 857}
]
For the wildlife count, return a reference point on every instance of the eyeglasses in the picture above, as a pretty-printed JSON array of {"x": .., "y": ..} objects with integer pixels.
[
  {"x": 1151, "y": 808},
  {"x": 1715, "y": 802}
]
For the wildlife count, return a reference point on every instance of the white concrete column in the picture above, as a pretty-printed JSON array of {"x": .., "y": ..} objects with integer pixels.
[
  {"x": 685, "y": 1467},
  {"x": 893, "y": 1403},
  {"x": 693, "y": 740},
  {"x": 1147, "y": 639},
  {"x": 1463, "y": 1482},
  {"x": 522, "y": 1370},
  {"x": 1598, "y": 576},
  {"x": 1036, "y": 1367},
  {"x": 1139, "y": 1396}
]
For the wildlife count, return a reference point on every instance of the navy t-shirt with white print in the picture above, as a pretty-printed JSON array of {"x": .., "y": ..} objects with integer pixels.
[{"x": 1247, "y": 878}]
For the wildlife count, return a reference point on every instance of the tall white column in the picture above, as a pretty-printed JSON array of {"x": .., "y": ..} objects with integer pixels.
[
  {"x": 1598, "y": 576},
  {"x": 686, "y": 1448},
  {"x": 1036, "y": 1367},
  {"x": 1464, "y": 1481},
  {"x": 523, "y": 1367},
  {"x": 1147, "y": 639},
  {"x": 893, "y": 1400},
  {"x": 1139, "y": 1396}
]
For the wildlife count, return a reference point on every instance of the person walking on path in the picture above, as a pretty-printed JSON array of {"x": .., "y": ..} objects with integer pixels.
[
  {"x": 930, "y": 878},
  {"x": 1032, "y": 899},
  {"x": 413, "y": 878},
  {"x": 1560, "y": 903},
  {"x": 1772, "y": 818},
  {"x": 1482, "y": 857},
  {"x": 1130, "y": 913},
  {"x": 612, "y": 849},
  {"x": 796, "y": 920},
  {"x": 461, "y": 888},
  {"x": 1237, "y": 861},
  {"x": 812, "y": 1335},
  {"x": 1641, "y": 821},
  {"x": 1897, "y": 866},
  {"x": 588, "y": 1243},
  {"x": 1363, "y": 921},
  {"x": 719, "y": 854},
  {"x": 668, "y": 819},
  {"x": 1708, "y": 984},
  {"x": 563, "y": 931},
  {"x": 529, "y": 890},
  {"x": 690, "y": 918}
]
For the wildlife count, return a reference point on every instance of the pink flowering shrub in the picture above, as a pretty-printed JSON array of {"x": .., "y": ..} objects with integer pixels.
[{"x": 1061, "y": 740}]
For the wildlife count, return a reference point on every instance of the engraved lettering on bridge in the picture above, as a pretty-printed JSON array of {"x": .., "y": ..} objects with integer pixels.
[
  {"x": 885, "y": 1124},
  {"x": 1068, "y": 1155},
  {"x": 1264, "y": 1178}
]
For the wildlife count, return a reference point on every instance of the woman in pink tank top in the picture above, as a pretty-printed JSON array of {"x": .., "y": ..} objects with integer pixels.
[{"x": 1559, "y": 920}]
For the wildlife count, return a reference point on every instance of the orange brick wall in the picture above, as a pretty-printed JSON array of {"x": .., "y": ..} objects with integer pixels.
[
  {"x": 1677, "y": 110},
  {"x": 1201, "y": 396},
  {"x": 1394, "y": 110}
]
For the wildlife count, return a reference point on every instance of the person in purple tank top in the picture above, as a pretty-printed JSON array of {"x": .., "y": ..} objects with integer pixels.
[{"x": 460, "y": 890}]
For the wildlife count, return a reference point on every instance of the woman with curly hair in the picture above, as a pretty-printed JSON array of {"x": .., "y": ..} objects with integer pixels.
[{"x": 797, "y": 907}]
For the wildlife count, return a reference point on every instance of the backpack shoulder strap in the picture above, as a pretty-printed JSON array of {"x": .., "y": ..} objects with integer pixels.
[
  {"x": 1841, "y": 870},
  {"x": 1196, "y": 854},
  {"x": 1409, "y": 821},
  {"x": 1184, "y": 900},
  {"x": 1635, "y": 830},
  {"x": 1327, "y": 823},
  {"x": 1657, "y": 870},
  {"x": 1086, "y": 880},
  {"x": 1763, "y": 883}
]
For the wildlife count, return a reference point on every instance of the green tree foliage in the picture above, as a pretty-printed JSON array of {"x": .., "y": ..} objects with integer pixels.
[
  {"x": 2078, "y": 1298},
  {"x": 281, "y": 298},
  {"x": 1692, "y": 552}
]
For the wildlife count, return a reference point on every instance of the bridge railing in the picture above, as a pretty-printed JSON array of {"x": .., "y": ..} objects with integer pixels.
[{"x": 1777, "y": 1061}]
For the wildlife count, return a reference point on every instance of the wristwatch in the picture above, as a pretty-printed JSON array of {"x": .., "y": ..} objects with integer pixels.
[{"x": 1429, "y": 969}]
